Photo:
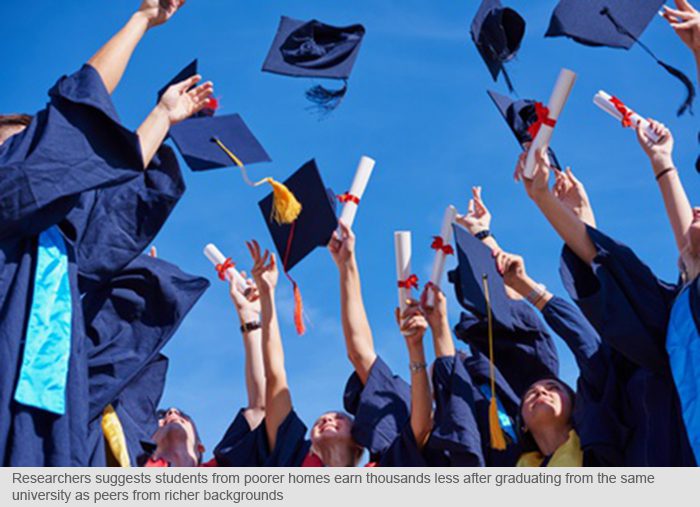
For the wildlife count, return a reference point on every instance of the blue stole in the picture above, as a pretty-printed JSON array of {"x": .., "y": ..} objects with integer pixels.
[
  {"x": 47, "y": 345},
  {"x": 503, "y": 417},
  {"x": 683, "y": 347}
]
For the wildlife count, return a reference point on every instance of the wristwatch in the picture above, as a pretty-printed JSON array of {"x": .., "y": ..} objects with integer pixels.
[
  {"x": 416, "y": 366},
  {"x": 482, "y": 235},
  {"x": 250, "y": 326}
]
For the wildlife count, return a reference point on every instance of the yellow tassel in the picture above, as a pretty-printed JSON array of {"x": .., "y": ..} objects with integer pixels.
[
  {"x": 285, "y": 207},
  {"x": 114, "y": 434},
  {"x": 498, "y": 440}
]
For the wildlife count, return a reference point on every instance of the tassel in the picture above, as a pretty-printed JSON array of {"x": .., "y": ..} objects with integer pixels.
[
  {"x": 298, "y": 311},
  {"x": 326, "y": 100},
  {"x": 498, "y": 440},
  {"x": 285, "y": 206},
  {"x": 114, "y": 434},
  {"x": 509, "y": 83},
  {"x": 690, "y": 89}
]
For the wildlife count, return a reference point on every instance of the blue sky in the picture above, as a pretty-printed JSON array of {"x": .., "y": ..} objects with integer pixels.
[{"x": 417, "y": 104}]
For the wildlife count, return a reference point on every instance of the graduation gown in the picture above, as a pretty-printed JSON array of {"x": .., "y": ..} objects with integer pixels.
[
  {"x": 52, "y": 173},
  {"x": 630, "y": 309},
  {"x": 129, "y": 321}
]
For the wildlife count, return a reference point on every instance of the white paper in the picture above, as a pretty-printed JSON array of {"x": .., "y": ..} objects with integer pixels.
[
  {"x": 216, "y": 257},
  {"x": 560, "y": 94},
  {"x": 402, "y": 247},
  {"x": 357, "y": 189},
  {"x": 440, "y": 257},
  {"x": 603, "y": 101}
]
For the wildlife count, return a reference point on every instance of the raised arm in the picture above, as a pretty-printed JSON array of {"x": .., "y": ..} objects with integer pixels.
[
  {"x": 278, "y": 401},
  {"x": 678, "y": 209},
  {"x": 477, "y": 220},
  {"x": 248, "y": 310},
  {"x": 413, "y": 325},
  {"x": 570, "y": 227},
  {"x": 437, "y": 320},
  {"x": 111, "y": 60},
  {"x": 685, "y": 20},
  {"x": 358, "y": 335}
]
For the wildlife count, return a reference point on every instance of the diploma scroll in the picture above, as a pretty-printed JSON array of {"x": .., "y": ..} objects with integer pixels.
[
  {"x": 402, "y": 247},
  {"x": 557, "y": 100},
  {"x": 217, "y": 259},
  {"x": 615, "y": 108},
  {"x": 441, "y": 250},
  {"x": 357, "y": 189}
]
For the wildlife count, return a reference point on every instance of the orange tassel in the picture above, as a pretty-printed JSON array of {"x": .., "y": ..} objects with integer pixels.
[
  {"x": 298, "y": 311},
  {"x": 498, "y": 440}
]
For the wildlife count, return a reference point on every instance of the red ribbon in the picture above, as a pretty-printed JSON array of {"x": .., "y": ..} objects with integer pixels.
[
  {"x": 622, "y": 109},
  {"x": 213, "y": 104},
  {"x": 221, "y": 268},
  {"x": 543, "y": 118},
  {"x": 409, "y": 283},
  {"x": 348, "y": 197},
  {"x": 439, "y": 244}
]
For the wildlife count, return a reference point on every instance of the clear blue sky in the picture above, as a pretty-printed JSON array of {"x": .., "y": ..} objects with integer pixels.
[{"x": 417, "y": 104}]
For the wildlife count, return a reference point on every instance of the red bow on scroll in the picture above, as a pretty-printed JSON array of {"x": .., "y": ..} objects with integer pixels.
[
  {"x": 439, "y": 244},
  {"x": 622, "y": 109},
  {"x": 409, "y": 283},
  {"x": 543, "y": 118},
  {"x": 348, "y": 197},
  {"x": 221, "y": 268}
]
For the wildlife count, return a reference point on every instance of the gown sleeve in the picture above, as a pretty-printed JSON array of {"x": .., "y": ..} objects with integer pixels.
[
  {"x": 621, "y": 297},
  {"x": 74, "y": 145},
  {"x": 381, "y": 407},
  {"x": 239, "y": 446}
]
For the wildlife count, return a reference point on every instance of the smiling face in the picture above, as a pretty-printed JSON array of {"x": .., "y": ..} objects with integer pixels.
[
  {"x": 330, "y": 427},
  {"x": 546, "y": 402}
]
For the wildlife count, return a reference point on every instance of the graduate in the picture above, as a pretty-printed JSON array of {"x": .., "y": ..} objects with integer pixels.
[
  {"x": 281, "y": 436},
  {"x": 64, "y": 175},
  {"x": 649, "y": 323},
  {"x": 392, "y": 419}
]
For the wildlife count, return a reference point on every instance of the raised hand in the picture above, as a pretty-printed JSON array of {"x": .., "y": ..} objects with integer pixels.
[
  {"x": 571, "y": 192},
  {"x": 247, "y": 303},
  {"x": 685, "y": 21},
  {"x": 159, "y": 11},
  {"x": 265, "y": 272},
  {"x": 436, "y": 315},
  {"x": 342, "y": 245},
  {"x": 179, "y": 102},
  {"x": 539, "y": 183},
  {"x": 660, "y": 153},
  {"x": 477, "y": 218},
  {"x": 512, "y": 268},
  {"x": 412, "y": 323}
]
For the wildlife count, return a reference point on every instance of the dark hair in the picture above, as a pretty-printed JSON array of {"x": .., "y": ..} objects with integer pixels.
[
  {"x": 161, "y": 413},
  {"x": 528, "y": 443},
  {"x": 11, "y": 120}
]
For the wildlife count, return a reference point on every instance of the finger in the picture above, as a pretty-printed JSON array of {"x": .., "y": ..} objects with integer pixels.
[
  {"x": 678, "y": 13},
  {"x": 470, "y": 207},
  {"x": 397, "y": 315},
  {"x": 251, "y": 250},
  {"x": 273, "y": 261},
  {"x": 183, "y": 86},
  {"x": 256, "y": 246},
  {"x": 344, "y": 228},
  {"x": 153, "y": 252},
  {"x": 265, "y": 256},
  {"x": 684, "y": 5}
]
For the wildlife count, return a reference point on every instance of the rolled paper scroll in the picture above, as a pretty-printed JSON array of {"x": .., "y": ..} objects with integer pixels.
[
  {"x": 547, "y": 117},
  {"x": 618, "y": 110},
  {"x": 352, "y": 197},
  {"x": 442, "y": 247},
  {"x": 225, "y": 267},
  {"x": 406, "y": 280}
]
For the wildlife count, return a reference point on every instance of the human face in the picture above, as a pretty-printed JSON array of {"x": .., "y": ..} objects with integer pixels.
[
  {"x": 10, "y": 130},
  {"x": 331, "y": 426},
  {"x": 546, "y": 402},
  {"x": 174, "y": 420}
]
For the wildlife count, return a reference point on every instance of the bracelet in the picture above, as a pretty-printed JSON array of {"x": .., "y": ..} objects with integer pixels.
[
  {"x": 664, "y": 172},
  {"x": 536, "y": 294},
  {"x": 482, "y": 235},
  {"x": 416, "y": 366},
  {"x": 250, "y": 326}
]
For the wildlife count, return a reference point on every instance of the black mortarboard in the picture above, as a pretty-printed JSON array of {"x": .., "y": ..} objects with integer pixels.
[
  {"x": 497, "y": 32},
  {"x": 315, "y": 224},
  {"x": 314, "y": 49},
  {"x": 612, "y": 23},
  {"x": 520, "y": 115},
  {"x": 194, "y": 139},
  {"x": 474, "y": 261},
  {"x": 186, "y": 73}
]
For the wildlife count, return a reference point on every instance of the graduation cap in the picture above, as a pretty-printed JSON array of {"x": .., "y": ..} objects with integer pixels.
[
  {"x": 186, "y": 73},
  {"x": 617, "y": 24},
  {"x": 520, "y": 115},
  {"x": 222, "y": 141},
  {"x": 313, "y": 227},
  {"x": 497, "y": 32},
  {"x": 315, "y": 49}
]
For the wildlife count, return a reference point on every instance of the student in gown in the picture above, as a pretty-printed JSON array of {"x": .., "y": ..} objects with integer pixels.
[
  {"x": 63, "y": 175},
  {"x": 384, "y": 405},
  {"x": 649, "y": 323}
]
